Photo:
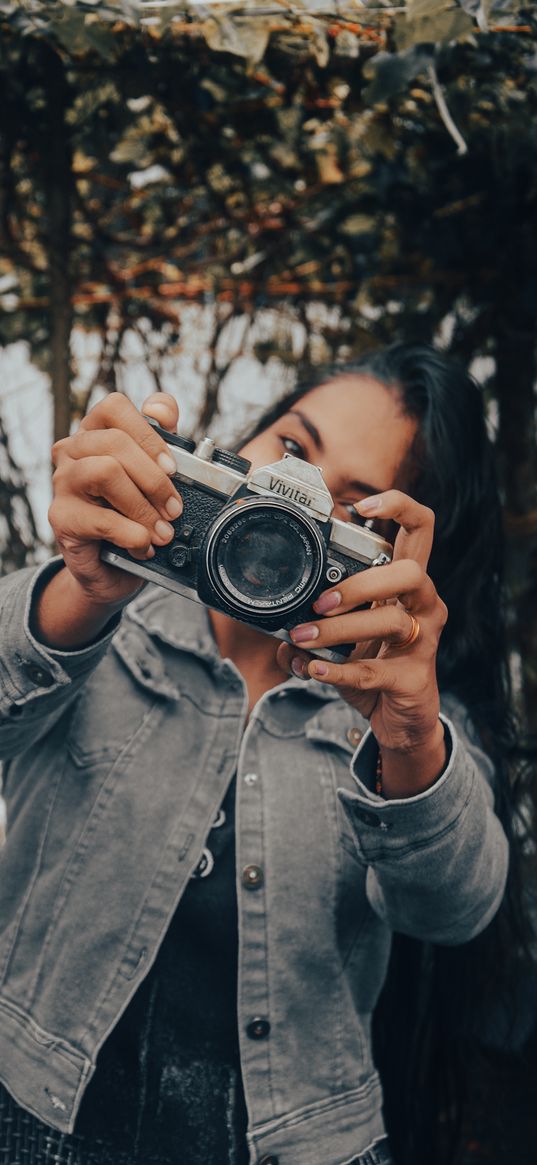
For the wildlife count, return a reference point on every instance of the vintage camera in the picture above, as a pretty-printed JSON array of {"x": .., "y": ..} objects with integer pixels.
[{"x": 259, "y": 545}]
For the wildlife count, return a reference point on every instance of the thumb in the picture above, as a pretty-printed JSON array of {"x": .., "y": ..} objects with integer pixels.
[{"x": 163, "y": 409}]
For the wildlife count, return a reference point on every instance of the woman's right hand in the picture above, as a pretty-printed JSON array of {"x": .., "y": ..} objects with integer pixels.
[{"x": 112, "y": 482}]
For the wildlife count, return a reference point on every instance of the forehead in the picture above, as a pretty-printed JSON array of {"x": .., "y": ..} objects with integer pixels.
[{"x": 365, "y": 433}]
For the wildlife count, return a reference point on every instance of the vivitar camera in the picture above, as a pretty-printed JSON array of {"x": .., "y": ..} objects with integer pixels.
[{"x": 259, "y": 545}]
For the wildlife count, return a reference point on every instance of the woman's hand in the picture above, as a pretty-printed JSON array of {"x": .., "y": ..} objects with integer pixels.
[
  {"x": 388, "y": 679},
  {"x": 112, "y": 482}
]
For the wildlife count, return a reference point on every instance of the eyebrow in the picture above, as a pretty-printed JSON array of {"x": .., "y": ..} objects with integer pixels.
[
  {"x": 310, "y": 428},
  {"x": 361, "y": 486}
]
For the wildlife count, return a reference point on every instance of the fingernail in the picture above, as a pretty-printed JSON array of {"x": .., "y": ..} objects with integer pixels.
[
  {"x": 319, "y": 668},
  {"x": 173, "y": 507},
  {"x": 327, "y": 602},
  {"x": 167, "y": 463},
  {"x": 157, "y": 411},
  {"x": 370, "y": 505},
  {"x": 164, "y": 530},
  {"x": 298, "y": 667},
  {"x": 150, "y": 553},
  {"x": 304, "y": 633}
]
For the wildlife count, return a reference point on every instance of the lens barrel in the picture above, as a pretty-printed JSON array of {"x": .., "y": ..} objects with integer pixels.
[{"x": 263, "y": 557}]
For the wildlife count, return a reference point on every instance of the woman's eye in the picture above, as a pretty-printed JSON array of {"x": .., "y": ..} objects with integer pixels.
[
  {"x": 292, "y": 446},
  {"x": 349, "y": 512}
]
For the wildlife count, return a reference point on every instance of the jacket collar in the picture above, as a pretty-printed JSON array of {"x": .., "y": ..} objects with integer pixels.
[{"x": 183, "y": 623}]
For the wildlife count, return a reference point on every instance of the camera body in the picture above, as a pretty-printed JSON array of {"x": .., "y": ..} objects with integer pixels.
[{"x": 259, "y": 545}]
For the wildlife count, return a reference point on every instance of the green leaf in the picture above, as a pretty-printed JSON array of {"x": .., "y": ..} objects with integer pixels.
[
  {"x": 478, "y": 9},
  {"x": 358, "y": 224},
  {"x": 244, "y": 38},
  {"x": 69, "y": 27},
  {"x": 432, "y": 22},
  {"x": 391, "y": 72}
]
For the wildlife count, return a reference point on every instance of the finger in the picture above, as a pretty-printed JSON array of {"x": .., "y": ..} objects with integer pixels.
[
  {"x": 117, "y": 412},
  {"x": 368, "y": 675},
  {"x": 94, "y": 478},
  {"x": 416, "y": 522},
  {"x": 143, "y": 471},
  {"x": 95, "y": 523},
  {"x": 391, "y": 624},
  {"x": 163, "y": 408},
  {"x": 292, "y": 661},
  {"x": 404, "y": 580}
]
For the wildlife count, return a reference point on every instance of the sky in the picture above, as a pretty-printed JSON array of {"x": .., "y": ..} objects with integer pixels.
[{"x": 26, "y": 399}]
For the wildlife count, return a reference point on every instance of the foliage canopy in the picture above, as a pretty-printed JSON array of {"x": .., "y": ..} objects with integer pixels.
[{"x": 374, "y": 161}]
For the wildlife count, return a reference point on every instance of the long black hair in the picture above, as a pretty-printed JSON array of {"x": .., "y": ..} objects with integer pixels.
[
  {"x": 436, "y": 1002},
  {"x": 453, "y": 474}
]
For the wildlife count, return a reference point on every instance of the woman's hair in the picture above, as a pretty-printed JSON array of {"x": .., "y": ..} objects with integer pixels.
[
  {"x": 436, "y": 1000},
  {"x": 452, "y": 470}
]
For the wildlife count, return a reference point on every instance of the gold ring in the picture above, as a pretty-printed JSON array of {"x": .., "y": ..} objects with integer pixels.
[{"x": 412, "y": 635}]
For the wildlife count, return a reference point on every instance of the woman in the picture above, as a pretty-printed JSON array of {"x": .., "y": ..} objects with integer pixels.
[{"x": 134, "y": 719}]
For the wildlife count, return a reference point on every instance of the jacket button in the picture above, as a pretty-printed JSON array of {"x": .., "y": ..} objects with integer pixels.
[
  {"x": 252, "y": 877},
  {"x": 38, "y": 675},
  {"x": 258, "y": 1028},
  {"x": 272, "y": 1160},
  {"x": 250, "y": 778},
  {"x": 354, "y": 736}
]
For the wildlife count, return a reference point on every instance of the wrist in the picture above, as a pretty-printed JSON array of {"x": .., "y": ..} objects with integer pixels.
[
  {"x": 409, "y": 771},
  {"x": 64, "y": 617},
  {"x": 92, "y": 603}
]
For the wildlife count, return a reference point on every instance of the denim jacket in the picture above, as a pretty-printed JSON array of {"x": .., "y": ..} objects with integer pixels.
[{"x": 116, "y": 759}]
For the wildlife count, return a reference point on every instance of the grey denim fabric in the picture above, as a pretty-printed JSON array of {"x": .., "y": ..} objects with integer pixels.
[
  {"x": 116, "y": 760},
  {"x": 378, "y": 1154}
]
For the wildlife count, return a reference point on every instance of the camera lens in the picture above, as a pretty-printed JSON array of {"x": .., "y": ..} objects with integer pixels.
[
  {"x": 263, "y": 561},
  {"x": 262, "y": 557}
]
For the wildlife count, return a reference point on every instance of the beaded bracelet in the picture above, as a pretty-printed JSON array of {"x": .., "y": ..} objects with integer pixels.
[
  {"x": 378, "y": 770},
  {"x": 378, "y": 775}
]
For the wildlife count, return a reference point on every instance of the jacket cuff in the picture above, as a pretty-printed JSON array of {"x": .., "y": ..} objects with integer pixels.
[
  {"x": 410, "y": 820},
  {"x": 28, "y": 667}
]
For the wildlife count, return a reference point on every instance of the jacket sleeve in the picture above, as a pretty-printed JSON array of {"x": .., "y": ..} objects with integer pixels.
[
  {"x": 437, "y": 862},
  {"x": 36, "y": 682}
]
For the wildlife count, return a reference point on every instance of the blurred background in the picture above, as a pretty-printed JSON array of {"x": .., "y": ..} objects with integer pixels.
[{"x": 208, "y": 198}]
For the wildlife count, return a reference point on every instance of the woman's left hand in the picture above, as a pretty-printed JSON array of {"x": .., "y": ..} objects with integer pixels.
[{"x": 391, "y": 676}]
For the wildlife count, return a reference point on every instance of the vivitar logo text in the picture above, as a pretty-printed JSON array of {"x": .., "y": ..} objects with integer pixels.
[{"x": 290, "y": 492}]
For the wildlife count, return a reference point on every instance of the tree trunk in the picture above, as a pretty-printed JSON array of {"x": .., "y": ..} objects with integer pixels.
[
  {"x": 57, "y": 173},
  {"x": 19, "y": 535}
]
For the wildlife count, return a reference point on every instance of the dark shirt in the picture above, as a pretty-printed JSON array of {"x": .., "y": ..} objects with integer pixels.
[{"x": 167, "y": 1087}]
